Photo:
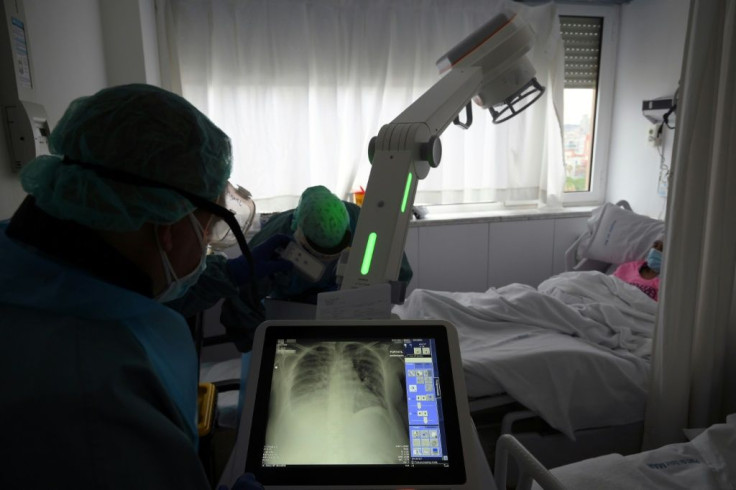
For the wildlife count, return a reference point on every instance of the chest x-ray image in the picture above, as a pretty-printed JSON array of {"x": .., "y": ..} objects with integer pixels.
[{"x": 337, "y": 402}]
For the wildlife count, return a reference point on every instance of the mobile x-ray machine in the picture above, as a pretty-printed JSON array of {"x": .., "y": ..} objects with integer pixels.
[{"x": 292, "y": 360}]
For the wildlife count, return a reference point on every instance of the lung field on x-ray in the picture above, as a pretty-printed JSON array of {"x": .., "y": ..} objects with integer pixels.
[{"x": 337, "y": 403}]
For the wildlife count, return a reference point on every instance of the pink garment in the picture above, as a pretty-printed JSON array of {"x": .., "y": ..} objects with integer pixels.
[{"x": 629, "y": 272}]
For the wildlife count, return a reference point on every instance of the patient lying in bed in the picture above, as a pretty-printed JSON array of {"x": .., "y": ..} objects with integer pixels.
[
  {"x": 576, "y": 349},
  {"x": 644, "y": 274}
]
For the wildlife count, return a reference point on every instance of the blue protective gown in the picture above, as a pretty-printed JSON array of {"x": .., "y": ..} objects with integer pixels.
[{"x": 99, "y": 383}]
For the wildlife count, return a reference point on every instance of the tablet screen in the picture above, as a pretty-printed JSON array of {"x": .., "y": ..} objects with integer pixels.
[{"x": 335, "y": 405}]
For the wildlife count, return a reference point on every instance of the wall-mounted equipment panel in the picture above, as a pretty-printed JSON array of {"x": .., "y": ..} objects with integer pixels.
[{"x": 23, "y": 117}]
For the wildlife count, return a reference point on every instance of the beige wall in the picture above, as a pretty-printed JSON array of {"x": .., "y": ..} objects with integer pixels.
[{"x": 651, "y": 44}]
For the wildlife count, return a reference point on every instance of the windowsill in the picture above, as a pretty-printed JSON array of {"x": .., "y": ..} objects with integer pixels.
[{"x": 484, "y": 213}]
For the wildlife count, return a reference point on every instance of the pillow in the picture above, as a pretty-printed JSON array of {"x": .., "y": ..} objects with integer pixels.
[{"x": 616, "y": 235}]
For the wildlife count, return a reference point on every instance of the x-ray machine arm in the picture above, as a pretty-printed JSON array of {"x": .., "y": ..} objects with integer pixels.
[{"x": 491, "y": 68}]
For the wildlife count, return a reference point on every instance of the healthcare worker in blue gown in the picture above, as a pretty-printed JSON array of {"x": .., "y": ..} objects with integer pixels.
[{"x": 99, "y": 378}]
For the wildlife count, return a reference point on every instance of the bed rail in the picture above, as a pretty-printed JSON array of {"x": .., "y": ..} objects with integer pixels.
[{"x": 530, "y": 469}]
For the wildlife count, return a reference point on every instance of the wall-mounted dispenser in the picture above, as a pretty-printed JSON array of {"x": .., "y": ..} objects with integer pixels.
[
  {"x": 654, "y": 110},
  {"x": 24, "y": 119}
]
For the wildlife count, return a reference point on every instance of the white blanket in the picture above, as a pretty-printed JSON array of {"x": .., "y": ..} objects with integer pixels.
[
  {"x": 575, "y": 350},
  {"x": 706, "y": 462}
]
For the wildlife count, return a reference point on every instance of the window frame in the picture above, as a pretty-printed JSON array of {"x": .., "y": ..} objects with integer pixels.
[{"x": 604, "y": 100}]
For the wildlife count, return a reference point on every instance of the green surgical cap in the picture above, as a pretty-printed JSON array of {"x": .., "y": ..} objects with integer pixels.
[
  {"x": 322, "y": 217},
  {"x": 139, "y": 129}
]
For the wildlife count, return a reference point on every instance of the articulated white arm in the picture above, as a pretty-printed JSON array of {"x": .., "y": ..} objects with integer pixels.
[
  {"x": 490, "y": 67},
  {"x": 403, "y": 153}
]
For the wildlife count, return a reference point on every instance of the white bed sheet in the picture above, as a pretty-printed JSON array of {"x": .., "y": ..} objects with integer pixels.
[
  {"x": 706, "y": 462},
  {"x": 575, "y": 350}
]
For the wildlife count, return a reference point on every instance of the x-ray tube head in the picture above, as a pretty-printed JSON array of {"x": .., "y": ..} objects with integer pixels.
[{"x": 499, "y": 48}]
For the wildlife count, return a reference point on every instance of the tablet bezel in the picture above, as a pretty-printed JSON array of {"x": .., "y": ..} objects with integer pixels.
[{"x": 322, "y": 475}]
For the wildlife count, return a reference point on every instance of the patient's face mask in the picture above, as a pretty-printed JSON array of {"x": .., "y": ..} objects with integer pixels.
[
  {"x": 178, "y": 286},
  {"x": 654, "y": 259}
]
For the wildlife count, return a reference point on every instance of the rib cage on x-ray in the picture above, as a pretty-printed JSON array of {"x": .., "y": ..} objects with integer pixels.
[{"x": 337, "y": 403}]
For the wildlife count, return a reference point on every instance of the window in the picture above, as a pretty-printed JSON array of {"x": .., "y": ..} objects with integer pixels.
[
  {"x": 589, "y": 35},
  {"x": 582, "y": 39}
]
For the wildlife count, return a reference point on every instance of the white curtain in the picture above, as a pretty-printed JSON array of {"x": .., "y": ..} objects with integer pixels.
[
  {"x": 694, "y": 375},
  {"x": 302, "y": 85}
]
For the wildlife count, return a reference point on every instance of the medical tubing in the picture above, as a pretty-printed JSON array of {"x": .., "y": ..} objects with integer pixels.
[{"x": 199, "y": 201}]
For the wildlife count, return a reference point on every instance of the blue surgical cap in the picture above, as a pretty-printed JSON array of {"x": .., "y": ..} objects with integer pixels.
[
  {"x": 139, "y": 129},
  {"x": 322, "y": 217}
]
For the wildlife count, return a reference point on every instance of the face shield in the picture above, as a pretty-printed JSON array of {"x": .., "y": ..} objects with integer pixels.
[{"x": 239, "y": 202}]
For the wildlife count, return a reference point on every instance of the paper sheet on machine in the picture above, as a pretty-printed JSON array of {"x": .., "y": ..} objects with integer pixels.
[{"x": 370, "y": 302}]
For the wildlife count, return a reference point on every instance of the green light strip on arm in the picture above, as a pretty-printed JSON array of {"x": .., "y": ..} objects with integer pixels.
[
  {"x": 406, "y": 192},
  {"x": 370, "y": 247}
]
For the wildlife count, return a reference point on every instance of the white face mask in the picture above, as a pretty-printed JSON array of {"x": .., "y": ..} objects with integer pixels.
[{"x": 178, "y": 286}]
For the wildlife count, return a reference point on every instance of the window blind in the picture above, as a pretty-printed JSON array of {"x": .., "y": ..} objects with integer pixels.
[{"x": 582, "y": 39}]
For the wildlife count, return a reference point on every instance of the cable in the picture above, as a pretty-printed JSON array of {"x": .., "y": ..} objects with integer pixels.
[
  {"x": 672, "y": 110},
  {"x": 664, "y": 171},
  {"x": 667, "y": 114}
]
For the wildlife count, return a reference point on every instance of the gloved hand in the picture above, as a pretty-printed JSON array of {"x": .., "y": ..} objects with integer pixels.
[
  {"x": 266, "y": 259},
  {"x": 245, "y": 482}
]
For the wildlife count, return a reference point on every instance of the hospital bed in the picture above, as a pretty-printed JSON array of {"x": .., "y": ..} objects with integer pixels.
[
  {"x": 563, "y": 366},
  {"x": 706, "y": 461}
]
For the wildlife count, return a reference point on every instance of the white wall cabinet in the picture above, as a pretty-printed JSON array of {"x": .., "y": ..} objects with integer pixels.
[
  {"x": 476, "y": 256},
  {"x": 454, "y": 257},
  {"x": 520, "y": 251}
]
